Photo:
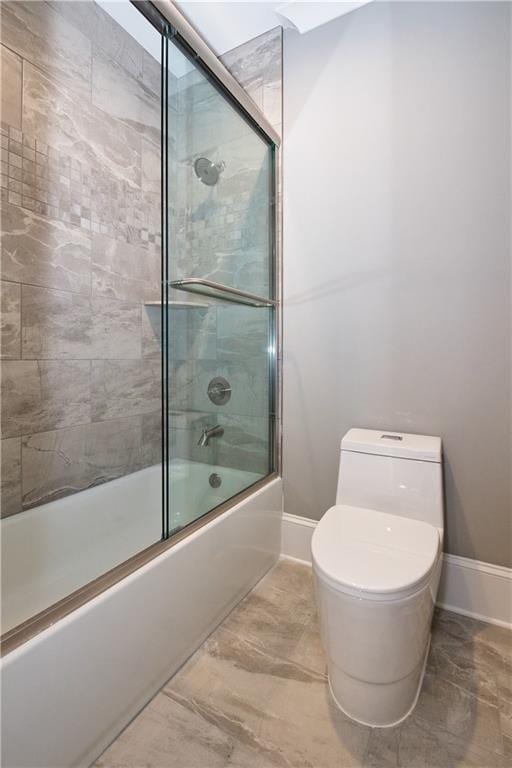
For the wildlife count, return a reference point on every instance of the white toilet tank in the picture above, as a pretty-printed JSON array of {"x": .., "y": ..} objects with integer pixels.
[{"x": 392, "y": 472}]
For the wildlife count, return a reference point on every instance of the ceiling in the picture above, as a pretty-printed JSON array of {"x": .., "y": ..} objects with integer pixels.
[{"x": 228, "y": 24}]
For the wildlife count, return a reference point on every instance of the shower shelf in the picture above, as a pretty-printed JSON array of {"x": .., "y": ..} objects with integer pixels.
[{"x": 222, "y": 292}]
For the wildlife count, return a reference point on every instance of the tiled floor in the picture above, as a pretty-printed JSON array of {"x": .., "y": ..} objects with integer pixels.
[{"x": 255, "y": 696}]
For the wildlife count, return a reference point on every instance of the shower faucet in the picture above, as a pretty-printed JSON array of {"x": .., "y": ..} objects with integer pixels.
[{"x": 216, "y": 431}]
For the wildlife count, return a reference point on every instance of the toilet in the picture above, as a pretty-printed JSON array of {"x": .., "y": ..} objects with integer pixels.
[{"x": 377, "y": 563}]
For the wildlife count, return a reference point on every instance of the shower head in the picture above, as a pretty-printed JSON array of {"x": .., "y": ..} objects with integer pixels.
[{"x": 208, "y": 172}]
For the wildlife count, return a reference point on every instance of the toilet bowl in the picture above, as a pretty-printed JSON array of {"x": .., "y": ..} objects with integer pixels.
[{"x": 377, "y": 563}]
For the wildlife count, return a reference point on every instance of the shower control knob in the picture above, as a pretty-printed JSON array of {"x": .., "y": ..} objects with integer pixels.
[{"x": 219, "y": 391}]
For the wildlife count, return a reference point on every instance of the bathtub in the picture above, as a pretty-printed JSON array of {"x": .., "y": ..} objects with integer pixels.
[
  {"x": 68, "y": 691},
  {"x": 50, "y": 551}
]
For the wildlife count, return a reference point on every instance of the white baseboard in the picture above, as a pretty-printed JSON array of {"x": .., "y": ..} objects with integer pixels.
[
  {"x": 469, "y": 587},
  {"x": 480, "y": 590},
  {"x": 296, "y": 533}
]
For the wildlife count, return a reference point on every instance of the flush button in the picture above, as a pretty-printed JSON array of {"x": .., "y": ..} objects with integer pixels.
[{"x": 391, "y": 437}]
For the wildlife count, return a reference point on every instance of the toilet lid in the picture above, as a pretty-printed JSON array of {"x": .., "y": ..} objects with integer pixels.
[{"x": 359, "y": 550}]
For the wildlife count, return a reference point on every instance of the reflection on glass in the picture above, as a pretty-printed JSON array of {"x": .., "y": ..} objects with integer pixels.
[
  {"x": 81, "y": 406},
  {"x": 220, "y": 230}
]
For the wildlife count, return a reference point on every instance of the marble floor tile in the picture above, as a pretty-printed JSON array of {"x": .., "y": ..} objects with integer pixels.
[
  {"x": 280, "y": 709},
  {"x": 309, "y": 650},
  {"x": 452, "y": 630},
  {"x": 310, "y": 730},
  {"x": 476, "y": 675},
  {"x": 484, "y": 645},
  {"x": 38, "y": 251},
  {"x": 243, "y": 689},
  {"x": 446, "y": 706},
  {"x": 504, "y": 696},
  {"x": 497, "y": 640},
  {"x": 226, "y": 648},
  {"x": 255, "y": 694},
  {"x": 11, "y": 88},
  {"x": 233, "y": 670},
  {"x": 415, "y": 744},
  {"x": 291, "y": 577},
  {"x": 10, "y": 476},
  {"x": 272, "y": 618},
  {"x": 10, "y": 321},
  {"x": 174, "y": 732}
]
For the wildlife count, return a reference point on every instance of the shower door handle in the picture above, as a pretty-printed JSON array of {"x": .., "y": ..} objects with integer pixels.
[{"x": 223, "y": 292}]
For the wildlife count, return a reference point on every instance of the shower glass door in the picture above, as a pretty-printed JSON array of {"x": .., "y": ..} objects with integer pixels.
[
  {"x": 138, "y": 370},
  {"x": 219, "y": 324},
  {"x": 81, "y": 415}
]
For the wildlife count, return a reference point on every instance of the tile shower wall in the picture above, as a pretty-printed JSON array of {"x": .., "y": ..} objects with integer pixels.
[
  {"x": 80, "y": 252},
  {"x": 81, "y": 240},
  {"x": 222, "y": 233},
  {"x": 257, "y": 65}
]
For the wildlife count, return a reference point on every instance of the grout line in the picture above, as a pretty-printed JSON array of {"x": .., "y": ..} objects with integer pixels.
[
  {"x": 87, "y": 295},
  {"x": 79, "y": 425}
]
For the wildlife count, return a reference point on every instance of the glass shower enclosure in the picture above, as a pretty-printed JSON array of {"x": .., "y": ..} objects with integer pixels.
[
  {"x": 219, "y": 298},
  {"x": 140, "y": 251}
]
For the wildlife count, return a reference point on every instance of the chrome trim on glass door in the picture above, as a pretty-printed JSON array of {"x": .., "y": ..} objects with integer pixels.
[
  {"x": 202, "y": 52},
  {"x": 278, "y": 322}
]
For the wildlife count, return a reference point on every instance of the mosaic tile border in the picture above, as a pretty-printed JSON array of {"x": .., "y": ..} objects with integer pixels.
[{"x": 50, "y": 183}]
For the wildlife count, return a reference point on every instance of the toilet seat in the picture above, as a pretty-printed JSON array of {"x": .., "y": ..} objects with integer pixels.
[{"x": 374, "y": 555}]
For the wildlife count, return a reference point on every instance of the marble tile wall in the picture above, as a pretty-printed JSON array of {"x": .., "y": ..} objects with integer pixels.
[
  {"x": 80, "y": 251},
  {"x": 223, "y": 230},
  {"x": 81, "y": 254},
  {"x": 258, "y": 66}
]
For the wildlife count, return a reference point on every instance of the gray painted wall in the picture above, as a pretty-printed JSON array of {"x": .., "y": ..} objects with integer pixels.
[{"x": 397, "y": 251}]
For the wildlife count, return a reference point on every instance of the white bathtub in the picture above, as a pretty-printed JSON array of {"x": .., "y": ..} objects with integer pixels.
[
  {"x": 52, "y": 550},
  {"x": 68, "y": 691}
]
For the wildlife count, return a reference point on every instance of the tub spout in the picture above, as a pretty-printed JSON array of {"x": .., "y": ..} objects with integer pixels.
[{"x": 204, "y": 440}]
